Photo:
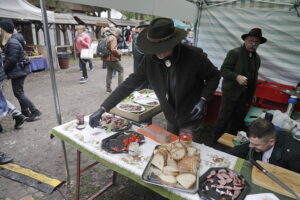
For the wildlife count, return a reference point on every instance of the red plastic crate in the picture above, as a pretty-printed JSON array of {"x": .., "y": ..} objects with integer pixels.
[{"x": 269, "y": 95}]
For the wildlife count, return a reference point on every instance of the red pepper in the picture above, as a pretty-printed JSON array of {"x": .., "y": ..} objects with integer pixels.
[{"x": 116, "y": 148}]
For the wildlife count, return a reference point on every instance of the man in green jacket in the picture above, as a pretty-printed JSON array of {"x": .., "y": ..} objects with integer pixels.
[{"x": 239, "y": 71}]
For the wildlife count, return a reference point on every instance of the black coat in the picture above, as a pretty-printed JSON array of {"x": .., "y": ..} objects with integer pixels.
[
  {"x": 14, "y": 56},
  {"x": 194, "y": 77},
  {"x": 286, "y": 152},
  {"x": 2, "y": 73}
]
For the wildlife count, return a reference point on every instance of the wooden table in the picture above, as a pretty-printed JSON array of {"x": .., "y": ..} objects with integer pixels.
[{"x": 88, "y": 142}]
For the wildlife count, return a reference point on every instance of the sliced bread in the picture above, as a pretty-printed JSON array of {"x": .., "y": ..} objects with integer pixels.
[
  {"x": 167, "y": 179},
  {"x": 158, "y": 161},
  {"x": 170, "y": 170},
  {"x": 186, "y": 180},
  {"x": 178, "y": 153}
]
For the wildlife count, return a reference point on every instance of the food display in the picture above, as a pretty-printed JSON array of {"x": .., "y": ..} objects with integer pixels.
[
  {"x": 223, "y": 184},
  {"x": 114, "y": 123},
  {"x": 174, "y": 166},
  {"x": 131, "y": 107},
  {"x": 119, "y": 142},
  {"x": 146, "y": 101}
]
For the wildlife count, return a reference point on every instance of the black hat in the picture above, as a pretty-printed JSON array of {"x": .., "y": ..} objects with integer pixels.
[
  {"x": 143, "y": 24},
  {"x": 160, "y": 36},
  {"x": 7, "y": 25},
  {"x": 256, "y": 32}
]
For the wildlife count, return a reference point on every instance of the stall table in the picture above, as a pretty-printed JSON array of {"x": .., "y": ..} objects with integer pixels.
[
  {"x": 37, "y": 64},
  {"x": 88, "y": 142}
]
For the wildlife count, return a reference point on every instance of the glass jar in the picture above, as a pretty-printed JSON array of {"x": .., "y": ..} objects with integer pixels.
[
  {"x": 186, "y": 137},
  {"x": 134, "y": 149}
]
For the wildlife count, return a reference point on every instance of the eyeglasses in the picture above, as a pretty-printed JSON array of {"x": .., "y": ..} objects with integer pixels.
[{"x": 255, "y": 41}]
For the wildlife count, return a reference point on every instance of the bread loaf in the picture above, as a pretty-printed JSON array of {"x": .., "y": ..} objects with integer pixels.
[{"x": 186, "y": 180}]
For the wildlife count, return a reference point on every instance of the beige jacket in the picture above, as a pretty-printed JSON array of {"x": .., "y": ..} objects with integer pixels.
[{"x": 112, "y": 44}]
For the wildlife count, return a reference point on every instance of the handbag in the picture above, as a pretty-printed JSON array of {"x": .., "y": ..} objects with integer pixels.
[{"x": 86, "y": 54}]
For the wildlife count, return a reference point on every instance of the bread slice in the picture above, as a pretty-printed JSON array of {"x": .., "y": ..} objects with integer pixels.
[
  {"x": 158, "y": 161},
  {"x": 178, "y": 153},
  {"x": 171, "y": 162},
  {"x": 167, "y": 179},
  {"x": 191, "y": 151},
  {"x": 170, "y": 170},
  {"x": 186, "y": 180},
  {"x": 188, "y": 164}
]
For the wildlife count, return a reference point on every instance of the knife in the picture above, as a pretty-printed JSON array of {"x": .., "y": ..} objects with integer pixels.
[{"x": 272, "y": 176}]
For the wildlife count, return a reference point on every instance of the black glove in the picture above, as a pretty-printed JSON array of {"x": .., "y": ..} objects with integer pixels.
[
  {"x": 95, "y": 117},
  {"x": 199, "y": 110}
]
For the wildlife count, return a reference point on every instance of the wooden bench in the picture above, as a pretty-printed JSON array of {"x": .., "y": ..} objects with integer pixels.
[{"x": 226, "y": 139}]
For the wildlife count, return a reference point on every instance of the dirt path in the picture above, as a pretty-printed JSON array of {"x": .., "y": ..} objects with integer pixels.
[{"x": 31, "y": 146}]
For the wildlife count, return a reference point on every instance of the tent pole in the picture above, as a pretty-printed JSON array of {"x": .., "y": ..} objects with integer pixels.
[{"x": 53, "y": 79}]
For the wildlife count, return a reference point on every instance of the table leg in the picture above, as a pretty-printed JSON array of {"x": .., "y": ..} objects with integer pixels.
[
  {"x": 79, "y": 171},
  {"x": 77, "y": 194}
]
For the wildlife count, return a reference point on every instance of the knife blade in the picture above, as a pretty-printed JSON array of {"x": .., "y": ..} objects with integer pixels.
[{"x": 274, "y": 178}]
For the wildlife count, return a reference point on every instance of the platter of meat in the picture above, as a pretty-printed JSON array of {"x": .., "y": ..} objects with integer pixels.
[
  {"x": 119, "y": 142},
  {"x": 114, "y": 123},
  {"x": 131, "y": 107},
  {"x": 223, "y": 184},
  {"x": 146, "y": 101}
]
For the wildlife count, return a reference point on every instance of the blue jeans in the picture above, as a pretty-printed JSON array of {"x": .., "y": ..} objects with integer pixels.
[{"x": 88, "y": 61}]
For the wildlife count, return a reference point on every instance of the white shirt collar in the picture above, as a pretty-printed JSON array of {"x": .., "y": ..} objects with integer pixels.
[{"x": 267, "y": 154}]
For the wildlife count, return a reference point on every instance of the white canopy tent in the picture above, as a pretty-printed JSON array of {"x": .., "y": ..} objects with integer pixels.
[
  {"x": 22, "y": 10},
  {"x": 177, "y": 9}
]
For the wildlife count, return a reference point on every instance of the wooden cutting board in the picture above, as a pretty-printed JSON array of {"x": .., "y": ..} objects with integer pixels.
[{"x": 292, "y": 179}]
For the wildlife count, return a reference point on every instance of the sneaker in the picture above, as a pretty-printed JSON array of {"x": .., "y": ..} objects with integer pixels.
[
  {"x": 1, "y": 130},
  {"x": 83, "y": 80},
  {"x": 20, "y": 119},
  {"x": 26, "y": 113},
  {"x": 5, "y": 159},
  {"x": 35, "y": 115},
  {"x": 108, "y": 90},
  {"x": 92, "y": 69}
]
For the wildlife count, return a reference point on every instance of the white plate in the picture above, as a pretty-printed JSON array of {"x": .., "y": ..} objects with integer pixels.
[
  {"x": 152, "y": 95},
  {"x": 119, "y": 106},
  {"x": 146, "y": 101}
]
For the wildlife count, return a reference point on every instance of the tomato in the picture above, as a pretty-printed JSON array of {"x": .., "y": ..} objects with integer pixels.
[{"x": 186, "y": 137}]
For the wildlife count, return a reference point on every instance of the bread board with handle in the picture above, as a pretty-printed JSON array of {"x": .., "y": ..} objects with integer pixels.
[{"x": 290, "y": 178}]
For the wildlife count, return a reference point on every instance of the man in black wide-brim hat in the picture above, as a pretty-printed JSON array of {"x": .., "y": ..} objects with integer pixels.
[
  {"x": 239, "y": 71},
  {"x": 182, "y": 77}
]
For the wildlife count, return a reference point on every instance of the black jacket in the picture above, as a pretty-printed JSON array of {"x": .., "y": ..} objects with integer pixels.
[
  {"x": 286, "y": 152},
  {"x": 14, "y": 56},
  {"x": 2, "y": 73},
  {"x": 194, "y": 77}
]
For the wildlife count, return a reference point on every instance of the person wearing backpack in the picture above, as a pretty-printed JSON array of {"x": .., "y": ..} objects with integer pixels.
[
  {"x": 16, "y": 68},
  {"x": 111, "y": 60}
]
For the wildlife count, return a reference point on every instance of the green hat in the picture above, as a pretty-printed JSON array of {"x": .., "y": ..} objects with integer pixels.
[{"x": 160, "y": 36}]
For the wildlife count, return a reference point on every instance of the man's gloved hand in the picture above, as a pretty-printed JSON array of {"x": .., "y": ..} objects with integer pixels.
[
  {"x": 95, "y": 117},
  {"x": 199, "y": 110}
]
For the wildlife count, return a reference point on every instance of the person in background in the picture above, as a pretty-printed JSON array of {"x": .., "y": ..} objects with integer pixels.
[
  {"x": 239, "y": 71},
  {"x": 89, "y": 61},
  {"x": 112, "y": 61},
  {"x": 265, "y": 144},
  {"x": 138, "y": 55},
  {"x": 5, "y": 105},
  {"x": 182, "y": 77},
  {"x": 16, "y": 68},
  {"x": 83, "y": 41},
  {"x": 105, "y": 33},
  {"x": 189, "y": 39}
]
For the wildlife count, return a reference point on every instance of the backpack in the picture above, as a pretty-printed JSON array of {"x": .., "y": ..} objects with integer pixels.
[{"x": 102, "y": 49}]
